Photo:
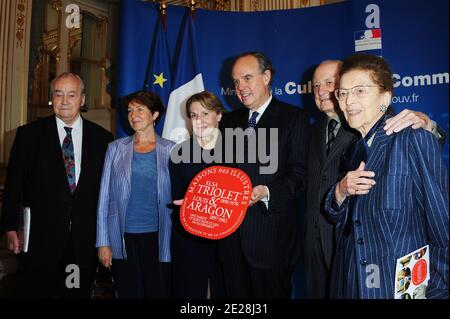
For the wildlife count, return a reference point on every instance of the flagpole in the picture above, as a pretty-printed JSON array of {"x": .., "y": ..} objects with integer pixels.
[
  {"x": 193, "y": 3},
  {"x": 158, "y": 78},
  {"x": 188, "y": 80},
  {"x": 163, "y": 12}
]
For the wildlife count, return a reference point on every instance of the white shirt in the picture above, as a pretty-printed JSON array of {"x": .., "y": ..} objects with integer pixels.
[
  {"x": 260, "y": 111},
  {"x": 77, "y": 138}
]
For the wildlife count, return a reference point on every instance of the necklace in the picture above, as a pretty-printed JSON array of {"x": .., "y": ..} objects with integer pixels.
[
  {"x": 372, "y": 132},
  {"x": 370, "y": 140}
]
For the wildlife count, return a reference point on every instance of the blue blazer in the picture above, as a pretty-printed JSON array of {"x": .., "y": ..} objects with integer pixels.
[
  {"x": 405, "y": 210},
  {"x": 115, "y": 193}
]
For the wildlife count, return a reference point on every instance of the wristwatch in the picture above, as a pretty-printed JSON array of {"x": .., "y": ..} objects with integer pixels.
[{"x": 438, "y": 132}]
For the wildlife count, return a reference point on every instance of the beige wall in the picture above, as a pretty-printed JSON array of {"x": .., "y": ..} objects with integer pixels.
[{"x": 15, "y": 22}]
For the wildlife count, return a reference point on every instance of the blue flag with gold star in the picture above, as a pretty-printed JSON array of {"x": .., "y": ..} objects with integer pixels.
[{"x": 158, "y": 77}]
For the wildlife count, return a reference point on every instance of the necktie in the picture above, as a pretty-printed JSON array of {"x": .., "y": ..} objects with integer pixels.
[
  {"x": 252, "y": 120},
  {"x": 331, "y": 136},
  {"x": 69, "y": 158}
]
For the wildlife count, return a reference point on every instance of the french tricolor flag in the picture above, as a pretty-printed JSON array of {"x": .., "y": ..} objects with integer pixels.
[
  {"x": 188, "y": 81},
  {"x": 371, "y": 34},
  {"x": 368, "y": 40}
]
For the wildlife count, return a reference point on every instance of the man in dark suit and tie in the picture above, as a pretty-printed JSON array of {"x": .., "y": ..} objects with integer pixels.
[
  {"x": 258, "y": 259},
  {"x": 330, "y": 137},
  {"x": 55, "y": 168}
]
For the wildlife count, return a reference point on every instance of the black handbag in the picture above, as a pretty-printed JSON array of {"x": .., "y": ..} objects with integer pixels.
[{"x": 104, "y": 286}]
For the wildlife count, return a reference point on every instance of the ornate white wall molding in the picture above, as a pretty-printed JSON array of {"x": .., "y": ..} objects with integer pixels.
[{"x": 15, "y": 17}]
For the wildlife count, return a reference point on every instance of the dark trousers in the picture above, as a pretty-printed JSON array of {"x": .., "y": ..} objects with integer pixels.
[
  {"x": 57, "y": 283},
  {"x": 316, "y": 271},
  {"x": 195, "y": 267},
  {"x": 242, "y": 281},
  {"x": 141, "y": 275}
]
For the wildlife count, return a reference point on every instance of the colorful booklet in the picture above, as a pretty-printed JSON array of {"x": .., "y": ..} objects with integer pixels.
[
  {"x": 24, "y": 228},
  {"x": 412, "y": 273}
]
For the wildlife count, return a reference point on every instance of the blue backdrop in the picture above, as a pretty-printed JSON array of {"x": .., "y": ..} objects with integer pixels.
[{"x": 414, "y": 39}]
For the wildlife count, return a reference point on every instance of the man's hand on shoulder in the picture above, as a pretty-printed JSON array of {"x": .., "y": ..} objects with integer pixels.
[{"x": 408, "y": 118}]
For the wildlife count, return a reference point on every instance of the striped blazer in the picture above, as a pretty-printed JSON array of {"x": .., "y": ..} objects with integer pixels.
[
  {"x": 405, "y": 210},
  {"x": 115, "y": 192}
]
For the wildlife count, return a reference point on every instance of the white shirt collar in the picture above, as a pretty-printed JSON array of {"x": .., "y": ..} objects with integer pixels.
[
  {"x": 76, "y": 126},
  {"x": 261, "y": 109},
  {"x": 336, "y": 118}
]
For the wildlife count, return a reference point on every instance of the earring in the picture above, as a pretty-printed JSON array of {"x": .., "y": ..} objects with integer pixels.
[{"x": 383, "y": 108}]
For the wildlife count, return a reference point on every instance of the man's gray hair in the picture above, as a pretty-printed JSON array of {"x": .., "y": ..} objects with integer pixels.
[{"x": 66, "y": 75}]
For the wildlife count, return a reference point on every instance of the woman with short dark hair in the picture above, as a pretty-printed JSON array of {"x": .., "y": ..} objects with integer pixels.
[
  {"x": 393, "y": 197},
  {"x": 133, "y": 222}
]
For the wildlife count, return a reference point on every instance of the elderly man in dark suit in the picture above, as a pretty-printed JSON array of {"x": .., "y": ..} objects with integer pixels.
[
  {"x": 258, "y": 259},
  {"x": 331, "y": 136},
  {"x": 55, "y": 168}
]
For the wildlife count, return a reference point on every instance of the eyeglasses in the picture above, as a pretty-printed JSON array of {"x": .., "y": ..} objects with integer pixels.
[{"x": 359, "y": 91}]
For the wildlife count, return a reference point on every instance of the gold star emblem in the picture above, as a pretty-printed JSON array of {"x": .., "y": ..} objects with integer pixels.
[{"x": 159, "y": 79}]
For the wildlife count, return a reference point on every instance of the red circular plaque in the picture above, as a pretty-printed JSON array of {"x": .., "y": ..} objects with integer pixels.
[
  {"x": 216, "y": 202},
  {"x": 419, "y": 272}
]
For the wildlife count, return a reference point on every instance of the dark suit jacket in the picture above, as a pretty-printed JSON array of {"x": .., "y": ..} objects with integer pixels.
[
  {"x": 323, "y": 172},
  {"x": 36, "y": 178},
  {"x": 406, "y": 210},
  {"x": 271, "y": 238}
]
